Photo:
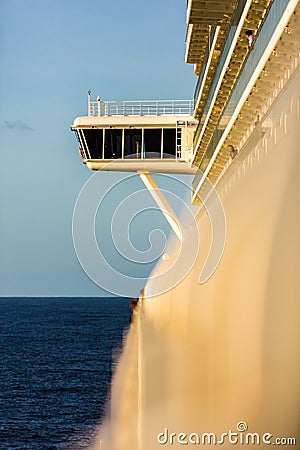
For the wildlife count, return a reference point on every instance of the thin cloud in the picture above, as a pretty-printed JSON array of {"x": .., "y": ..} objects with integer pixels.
[{"x": 16, "y": 125}]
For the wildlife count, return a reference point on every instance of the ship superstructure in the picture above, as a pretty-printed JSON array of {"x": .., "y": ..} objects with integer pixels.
[
  {"x": 239, "y": 79},
  {"x": 142, "y": 135},
  {"x": 245, "y": 52},
  {"x": 146, "y": 137}
]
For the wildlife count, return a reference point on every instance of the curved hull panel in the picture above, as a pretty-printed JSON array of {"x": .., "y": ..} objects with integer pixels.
[{"x": 202, "y": 358}]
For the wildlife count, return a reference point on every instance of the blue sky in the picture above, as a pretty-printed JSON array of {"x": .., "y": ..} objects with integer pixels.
[{"x": 51, "y": 53}]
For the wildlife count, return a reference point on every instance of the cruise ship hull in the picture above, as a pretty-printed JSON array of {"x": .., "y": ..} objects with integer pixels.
[{"x": 203, "y": 358}]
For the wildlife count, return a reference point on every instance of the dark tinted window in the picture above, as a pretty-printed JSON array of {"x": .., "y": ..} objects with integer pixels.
[
  {"x": 132, "y": 143},
  {"x": 113, "y": 144},
  {"x": 169, "y": 140},
  {"x": 94, "y": 140},
  {"x": 152, "y": 142}
]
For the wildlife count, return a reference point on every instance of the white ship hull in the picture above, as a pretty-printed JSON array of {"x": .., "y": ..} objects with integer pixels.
[{"x": 201, "y": 358}]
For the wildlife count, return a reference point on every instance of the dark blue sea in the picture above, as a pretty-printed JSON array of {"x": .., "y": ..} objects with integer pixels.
[{"x": 56, "y": 362}]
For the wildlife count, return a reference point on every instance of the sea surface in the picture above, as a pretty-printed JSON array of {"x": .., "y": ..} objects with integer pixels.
[{"x": 56, "y": 362}]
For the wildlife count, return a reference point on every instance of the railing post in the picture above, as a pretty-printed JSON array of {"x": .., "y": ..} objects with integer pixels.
[
  {"x": 99, "y": 105},
  {"x": 89, "y": 102}
]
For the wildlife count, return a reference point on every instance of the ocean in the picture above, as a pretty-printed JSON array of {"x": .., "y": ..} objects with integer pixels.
[{"x": 56, "y": 362}]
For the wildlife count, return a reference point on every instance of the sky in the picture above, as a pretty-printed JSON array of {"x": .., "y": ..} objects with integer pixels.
[{"x": 51, "y": 53}]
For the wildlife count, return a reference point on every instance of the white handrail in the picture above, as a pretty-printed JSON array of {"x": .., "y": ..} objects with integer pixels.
[{"x": 141, "y": 107}]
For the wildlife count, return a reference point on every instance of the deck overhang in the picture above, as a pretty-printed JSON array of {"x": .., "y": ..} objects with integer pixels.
[
  {"x": 209, "y": 12},
  {"x": 131, "y": 121},
  {"x": 252, "y": 83},
  {"x": 175, "y": 166}
]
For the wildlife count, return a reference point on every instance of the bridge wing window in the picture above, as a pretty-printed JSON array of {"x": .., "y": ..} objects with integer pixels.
[
  {"x": 169, "y": 142},
  {"x": 94, "y": 140},
  {"x": 113, "y": 144},
  {"x": 132, "y": 143},
  {"x": 152, "y": 143},
  {"x": 156, "y": 142}
]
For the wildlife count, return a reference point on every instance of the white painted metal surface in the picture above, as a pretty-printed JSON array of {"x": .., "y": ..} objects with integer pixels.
[
  {"x": 135, "y": 165},
  {"x": 162, "y": 202}
]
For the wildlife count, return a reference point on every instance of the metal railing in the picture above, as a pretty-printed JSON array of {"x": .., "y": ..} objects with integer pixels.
[
  {"x": 140, "y": 108},
  {"x": 203, "y": 72},
  {"x": 261, "y": 42},
  {"x": 220, "y": 67},
  {"x": 259, "y": 47}
]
